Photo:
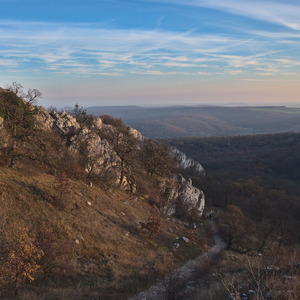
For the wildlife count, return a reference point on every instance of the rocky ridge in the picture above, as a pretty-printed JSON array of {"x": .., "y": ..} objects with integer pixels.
[{"x": 101, "y": 156}]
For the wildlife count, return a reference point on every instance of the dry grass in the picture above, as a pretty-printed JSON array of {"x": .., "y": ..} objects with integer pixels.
[
  {"x": 112, "y": 252},
  {"x": 236, "y": 273}
]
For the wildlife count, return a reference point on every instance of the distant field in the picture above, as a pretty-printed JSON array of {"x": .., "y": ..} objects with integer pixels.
[
  {"x": 280, "y": 109},
  {"x": 204, "y": 121}
]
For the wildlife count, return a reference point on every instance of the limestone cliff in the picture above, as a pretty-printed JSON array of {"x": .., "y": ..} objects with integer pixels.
[
  {"x": 85, "y": 138},
  {"x": 100, "y": 155},
  {"x": 190, "y": 195},
  {"x": 188, "y": 163},
  {"x": 182, "y": 196}
]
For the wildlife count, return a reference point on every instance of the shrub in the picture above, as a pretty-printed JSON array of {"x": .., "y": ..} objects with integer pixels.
[
  {"x": 20, "y": 256},
  {"x": 154, "y": 223}
]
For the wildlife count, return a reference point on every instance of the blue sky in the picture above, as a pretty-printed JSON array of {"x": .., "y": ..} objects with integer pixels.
[{"x": 153, "y": 52}]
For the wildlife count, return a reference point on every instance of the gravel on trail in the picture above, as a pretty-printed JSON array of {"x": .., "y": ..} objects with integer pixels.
[{"x": 182, "y": 275}]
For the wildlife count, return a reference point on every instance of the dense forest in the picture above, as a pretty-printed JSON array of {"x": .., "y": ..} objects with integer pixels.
[
  {"x": 258, "y": 173},
  {"x": 252, "y": 187}
]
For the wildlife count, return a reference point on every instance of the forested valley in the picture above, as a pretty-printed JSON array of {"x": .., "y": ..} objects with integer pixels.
[{"x": 254, "y": 181}]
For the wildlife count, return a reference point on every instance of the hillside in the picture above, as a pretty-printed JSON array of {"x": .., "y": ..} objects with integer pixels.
[
  {"x": 203, "y": 121},
  {"x": 87, "y": 209},
  {"x": 103, "y": 238}
]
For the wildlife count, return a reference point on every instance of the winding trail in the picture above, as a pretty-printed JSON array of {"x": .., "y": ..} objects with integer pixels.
[{"x": 171, "y": 283}]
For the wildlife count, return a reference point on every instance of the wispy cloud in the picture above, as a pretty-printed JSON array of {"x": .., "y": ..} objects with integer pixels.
[
  {"x": 278, "y": 12},
  {"x": 8, "y": 63},
  {"x": 287, "y": 62},
  {"x": 101, "y": 48},
  {"x": 85, "y": 50}
]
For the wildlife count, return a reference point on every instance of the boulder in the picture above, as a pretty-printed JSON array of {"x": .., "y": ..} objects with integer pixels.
[
  {"x": 97, "y": 123},
  {"x": 185, "y": 239},
  {"x": 176, "y": 245}
]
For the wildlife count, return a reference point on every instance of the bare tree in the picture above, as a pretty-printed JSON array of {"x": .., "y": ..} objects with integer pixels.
[
  {"x": 236, "y": 226},
  {"x": 31, "y": 96},
  {"x": 157, "y": 159},
  {"x": 261, "y": 281}
]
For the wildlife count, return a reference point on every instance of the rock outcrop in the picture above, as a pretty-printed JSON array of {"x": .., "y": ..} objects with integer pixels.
[
  {"x": 187, "y": 163},
  {"x": 191, "y": 196},
  {"x": 44, "y": 120},
  {"x": 181, "y": 196},
  {"x": 98, "y": 153},
  {"x": 64, "y": 122},
  {"x": 135, "y": 133},
  {"x": 103, "y": 148}
]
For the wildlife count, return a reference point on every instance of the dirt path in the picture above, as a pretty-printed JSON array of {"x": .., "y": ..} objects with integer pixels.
[{"x": 172, "y": 283}]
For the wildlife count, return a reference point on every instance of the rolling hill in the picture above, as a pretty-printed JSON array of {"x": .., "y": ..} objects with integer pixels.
[{"x": 185, "y": 121}]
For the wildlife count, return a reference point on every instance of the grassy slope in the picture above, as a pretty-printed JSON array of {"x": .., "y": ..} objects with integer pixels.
[{"x": 116, "y": 257}]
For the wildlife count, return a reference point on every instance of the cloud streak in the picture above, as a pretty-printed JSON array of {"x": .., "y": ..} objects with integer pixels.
[
  {"x": 103, "y": 48},
  {"x": 285, "y": 14},
  {"x": 85, "y": 50}
]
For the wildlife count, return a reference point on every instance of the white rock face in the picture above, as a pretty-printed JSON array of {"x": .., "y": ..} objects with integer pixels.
[
  {"x": 135, "y": 133},
  {"x": 187, "y": 163},
  {"x": 3, "y": 135},
  {"x": 97, "y": 123},
  {"x": 64, "y": 122},
  {"x": 98, "y": 152},
  {"x": 43, "y": 119},
  {"x": 192, "y": 196},
  {"x": 178, "y": 192}
]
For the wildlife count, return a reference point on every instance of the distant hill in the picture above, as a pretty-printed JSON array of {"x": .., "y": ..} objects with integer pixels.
[{"x": 185, "y": 121}]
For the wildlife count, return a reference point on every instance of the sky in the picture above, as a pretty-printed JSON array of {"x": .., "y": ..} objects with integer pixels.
[{"x": 153, "y": 52}]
